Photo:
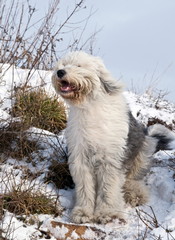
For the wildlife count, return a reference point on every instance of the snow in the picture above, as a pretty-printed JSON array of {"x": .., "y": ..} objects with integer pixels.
[
  {"x": 156, "y": 220},
  {"x": 48, "y": 142},
  {"x": 14, "y": 78},
  {"x": 89, "y": 234},
  {"x": 18, "y": 229},
  {"x": 146, "y": 107}
]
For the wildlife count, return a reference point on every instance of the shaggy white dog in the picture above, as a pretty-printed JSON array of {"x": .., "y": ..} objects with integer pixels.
[{"x": 108, "y": 150}]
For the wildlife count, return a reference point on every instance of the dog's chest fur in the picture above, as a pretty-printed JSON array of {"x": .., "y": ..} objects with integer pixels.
[{"x": 90, "y": 131}]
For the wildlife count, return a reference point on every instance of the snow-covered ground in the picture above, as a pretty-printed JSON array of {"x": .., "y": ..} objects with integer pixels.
[{"x": 156, "y": 220}]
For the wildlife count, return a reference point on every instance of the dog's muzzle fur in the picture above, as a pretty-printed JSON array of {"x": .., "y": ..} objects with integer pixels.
[{"x": 109, "y": 151}]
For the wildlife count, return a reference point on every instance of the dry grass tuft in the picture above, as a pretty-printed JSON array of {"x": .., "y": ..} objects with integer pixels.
[
  {"x": 26, "y": 202},
  {"x": 14, "y": 142},
  {"x": 39, "y": 110}
]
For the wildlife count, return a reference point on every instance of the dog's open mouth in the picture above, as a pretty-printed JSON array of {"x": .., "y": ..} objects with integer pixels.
[{"x": 67, "y": 87}]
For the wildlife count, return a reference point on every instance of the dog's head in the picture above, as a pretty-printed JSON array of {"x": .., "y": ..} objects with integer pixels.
[{"x": 79, "y": 76}]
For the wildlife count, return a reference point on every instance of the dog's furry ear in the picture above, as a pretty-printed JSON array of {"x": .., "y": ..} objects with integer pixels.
[
  {"x": 111, "y": 87},
  {"x": 109, "y": 84}
]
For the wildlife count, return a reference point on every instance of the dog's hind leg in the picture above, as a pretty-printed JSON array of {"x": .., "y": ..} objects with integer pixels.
[{"x": 135, "y": 193}]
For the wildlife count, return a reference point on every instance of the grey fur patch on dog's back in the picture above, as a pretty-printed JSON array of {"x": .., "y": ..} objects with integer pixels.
[
  {"x": 135, "y": 145},
  {"x": 135, "y": 140}
]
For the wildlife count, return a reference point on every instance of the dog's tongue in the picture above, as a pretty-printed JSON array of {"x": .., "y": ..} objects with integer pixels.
[{"x": 65, "y": 87}]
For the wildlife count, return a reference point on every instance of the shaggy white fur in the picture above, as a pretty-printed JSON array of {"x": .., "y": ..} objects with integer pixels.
[{"x": 107, "y": 148}]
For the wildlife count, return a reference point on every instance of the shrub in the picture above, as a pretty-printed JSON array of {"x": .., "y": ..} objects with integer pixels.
[{"x": 30, "y": 39}]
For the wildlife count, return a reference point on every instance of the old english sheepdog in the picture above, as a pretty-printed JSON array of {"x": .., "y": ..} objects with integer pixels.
[{"x": 109, "y": 151}]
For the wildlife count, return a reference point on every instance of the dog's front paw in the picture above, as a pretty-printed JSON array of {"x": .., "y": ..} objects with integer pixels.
[
  {"x": 104, "y": 217},
  {"x": 81, "y": 215}
]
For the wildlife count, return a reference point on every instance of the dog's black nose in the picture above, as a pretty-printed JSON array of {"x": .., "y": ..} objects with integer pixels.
[{"x": 61, "y": 73}]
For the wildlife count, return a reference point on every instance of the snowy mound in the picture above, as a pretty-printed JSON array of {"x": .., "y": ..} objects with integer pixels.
[{"x": 156, "y": 220}]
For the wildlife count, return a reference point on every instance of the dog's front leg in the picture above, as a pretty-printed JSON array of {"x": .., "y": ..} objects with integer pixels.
[
  {"x": 84, "y": 189},
  {"x": 110, "y": 201}
]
